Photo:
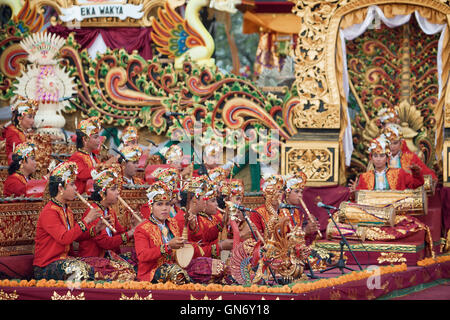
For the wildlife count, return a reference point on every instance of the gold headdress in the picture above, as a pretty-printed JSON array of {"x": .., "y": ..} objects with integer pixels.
[
  {"x": 233, "y": 187},
  {"x": 25, "y": 150},
  {"x": 67, "y": 171},
  {"x": 131, "y": 153},
  {"x": 273, "y": 182},
  {"x": 379, "y": 145},
  {"x": 393, "y": 132},
  {"x": 158, "y": 191},
  {"x": 170, "y": 176},
  {"x": 106, "y": 178},
  {"x": 197, "y": 185},
  {"x": 129, "y": 134},
  {"x": 23, "y": 105},
  {"x": 172, "y": 154},
  {"x": 217, "y": 175},
  {"x": 296, "y": 181},
  {"x": 388, "y": 115},
  {"x": 90, "y": 126}
]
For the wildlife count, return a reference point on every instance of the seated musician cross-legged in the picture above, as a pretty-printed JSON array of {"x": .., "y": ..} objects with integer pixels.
[
  {"x": 57, "y": 230},
  {"x": 103, "y": 250},
  {"x": 22, "y": 167},
  {"x": 158, "y": 238}
]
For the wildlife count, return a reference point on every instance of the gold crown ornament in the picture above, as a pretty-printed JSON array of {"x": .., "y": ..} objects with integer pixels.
[
  {"x": 296, "y": 181},
  {"x": 66, "y": 170},
  {"x": 158, "y": 191},
  {"x": 170, "y": 176},
  {"x": 379, "y": 145},
  {"x": 197, "y": 185},
  {"x": 25, "y": 150},
  {"x": 273, "y": 182},
  {"x": 90, "y": 126},
  {"x": 232, "y": 188},
  {"x": 23, "y": 106},
  {"x": 393, "y": 132},
  {"x": 173, "y": 154},
  {"x": 129, "y": 135},
  {"x": 106, "y": 178},
  {"x": 131, "y": 153}
]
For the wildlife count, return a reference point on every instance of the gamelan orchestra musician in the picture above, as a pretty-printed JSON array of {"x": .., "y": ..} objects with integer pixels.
[
  {"x": 129, "y": 160},
  {"x": 106, "y": 245},
  {"x": 23, "y": 113},
  {"x": 57, "y": 230},
  {"x": 21, "y": 169},
  {"x": 158, "y": 238},
  {"x": 88, "y": 142}
]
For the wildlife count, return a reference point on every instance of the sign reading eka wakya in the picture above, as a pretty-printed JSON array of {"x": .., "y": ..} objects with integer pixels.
[{"x": 86, "y": 9}]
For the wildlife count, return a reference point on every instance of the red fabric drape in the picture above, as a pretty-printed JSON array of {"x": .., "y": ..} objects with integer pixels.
[{"x": 130, "y": 39}]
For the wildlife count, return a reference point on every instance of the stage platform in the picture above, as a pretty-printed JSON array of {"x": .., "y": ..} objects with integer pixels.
[{"x": 374, "y": 282}]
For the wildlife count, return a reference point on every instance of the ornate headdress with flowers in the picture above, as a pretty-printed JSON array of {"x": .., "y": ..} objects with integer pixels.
[
  {"x": 388, "y": 115},
  {"x": 197, "y": 185},
  {"x": 393, "y": 132},
  {"x": 129, "y": 134},
  {"x": 23, "y": 106},
  {"x": 170, "y": 176},
  {"x": 67, "y": 171},
  {"x": 217, "y": 175},
  {"x": 90, "y": 126},
  {"x": 25, "y": 150},
  {"x": 273, "y": 182},
  {"x": 233, "y": 187},
  {"x": 379, "y": 145},
  {"x": 158, "y": 191},
  {"x": 131, "y": 153},
  {"x": 106, "y": 178},
  {"x": 173, "y": 154},
  {"x": 296, "y": 181}
]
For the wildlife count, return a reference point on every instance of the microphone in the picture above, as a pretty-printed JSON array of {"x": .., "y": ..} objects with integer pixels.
[
  {"x": 323, "y": 205},
  {"x": 237, "y": 206},
  {"x": 174, "y": 114},
  {"x": 288, "y": 206}
]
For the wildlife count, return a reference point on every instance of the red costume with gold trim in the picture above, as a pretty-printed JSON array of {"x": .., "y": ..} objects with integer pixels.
[
  {"x": 260, "y": 218},
  {"x": 208, "y": 228},
  {"x": 153, "y": 253},
  {"x": 15, "y": 185},
  {"x": 398, "y": 179},
  {"x": 13, "y": 136},
  {"x": 97, "y": 246},
  {"x": 85, "y": 166},
  {"x": 56, "y": 231},
  {"x": 408, "y": 158}
]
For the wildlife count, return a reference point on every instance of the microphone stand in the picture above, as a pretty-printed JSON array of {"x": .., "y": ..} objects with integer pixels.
[{"x": 341, "y": 262}]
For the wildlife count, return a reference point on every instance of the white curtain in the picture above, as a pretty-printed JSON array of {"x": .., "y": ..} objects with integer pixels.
[
  {"x": 98, "y": 46},
  {"x": 374, "y": 15}
]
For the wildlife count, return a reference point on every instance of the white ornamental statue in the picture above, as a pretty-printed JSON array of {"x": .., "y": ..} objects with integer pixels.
[{"x": 46, "y": 82}]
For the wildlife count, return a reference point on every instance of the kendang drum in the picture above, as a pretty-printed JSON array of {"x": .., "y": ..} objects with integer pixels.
[
  {"x": 366, "y": 215},
  {"x": 409, "y": 201}
]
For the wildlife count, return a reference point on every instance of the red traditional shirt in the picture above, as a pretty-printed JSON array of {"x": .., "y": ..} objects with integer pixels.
[
  {"x": 86, "y": 163},
  {"x": 208, "y": 228},
  {"x": 15, "y": 185},
  {"x": 408, "y": 158},
  {"x": 260, "y": 218},
  {"x": 397, "y": 178},
  {"x": 13, "y": 136},
  {"x": 97, "y": 246},
  {"x": 56, "y": 231},
  {"x": 152, "y": 252}
]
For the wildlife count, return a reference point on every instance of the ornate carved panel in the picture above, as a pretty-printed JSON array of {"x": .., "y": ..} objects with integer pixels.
[{"x": 319, "y": 160}]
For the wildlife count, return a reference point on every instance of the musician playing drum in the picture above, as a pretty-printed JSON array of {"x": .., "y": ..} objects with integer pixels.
[
  {"x": 56, "y": 230},
  {"x": 20, "y": 170},
  {"x": 157, "y": 238}
]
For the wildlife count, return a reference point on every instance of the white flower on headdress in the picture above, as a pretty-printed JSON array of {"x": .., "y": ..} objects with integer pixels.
[
  {"x": 151, "y": 195},
  {"x": 90, "y": 128},
  {"x": 291, "y": 181}
]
